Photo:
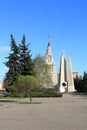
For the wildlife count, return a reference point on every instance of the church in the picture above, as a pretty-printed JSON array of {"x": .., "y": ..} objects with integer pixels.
[{"x": 64, "y": 79}]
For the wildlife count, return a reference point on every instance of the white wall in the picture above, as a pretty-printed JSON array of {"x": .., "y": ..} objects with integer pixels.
[{"x": 1, "y": 86}]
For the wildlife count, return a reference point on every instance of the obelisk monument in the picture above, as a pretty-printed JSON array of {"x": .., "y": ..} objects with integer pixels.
[
  {"x": 70, "y": 76},
  {"x": 63, "y": 75}
]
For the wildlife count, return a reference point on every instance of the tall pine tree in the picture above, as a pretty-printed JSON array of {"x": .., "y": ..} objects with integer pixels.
[
  {"x": 12, "y": 63},
  {"x": 26, "y": 63}
]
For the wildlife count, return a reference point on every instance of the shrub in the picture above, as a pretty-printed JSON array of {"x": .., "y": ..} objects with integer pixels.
[
  {"x": 45, "y": 93},
  {"x": 24, "y": 84}
]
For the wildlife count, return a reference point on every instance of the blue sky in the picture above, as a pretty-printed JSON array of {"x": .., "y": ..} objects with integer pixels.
[{"x": 65, "y": 21}]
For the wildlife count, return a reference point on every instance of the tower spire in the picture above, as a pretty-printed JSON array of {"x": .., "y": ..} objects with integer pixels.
[{"x": 48, "y": 40}]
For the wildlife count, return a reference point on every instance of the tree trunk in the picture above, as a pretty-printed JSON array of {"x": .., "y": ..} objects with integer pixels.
[{"x": 29, "y": 96}]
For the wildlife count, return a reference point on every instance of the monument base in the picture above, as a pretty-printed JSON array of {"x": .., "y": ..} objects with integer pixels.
[{"x": 71, "y": 89}]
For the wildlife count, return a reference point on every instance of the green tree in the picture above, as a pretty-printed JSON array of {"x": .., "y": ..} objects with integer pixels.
[
  {"x": 25, "y": 84},
  {"x": 12, "y": 63},
  {"x": 85, "y": 82},
  {"x": 38, "y": 65},
  {"x": 79, "y": 84},
  {"x": 42, "y": 71},
  {"x": 26, "y": 64},
  {"x": 46, "y": 79}
]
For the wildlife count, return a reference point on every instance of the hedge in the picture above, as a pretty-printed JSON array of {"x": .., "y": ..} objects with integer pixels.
[{"x": 46, "y": 93}]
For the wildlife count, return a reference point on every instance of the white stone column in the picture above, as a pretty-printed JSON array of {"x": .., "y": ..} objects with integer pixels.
[
  {"x": 70, "y": 76},
  {"x": 63, "y": 76}
]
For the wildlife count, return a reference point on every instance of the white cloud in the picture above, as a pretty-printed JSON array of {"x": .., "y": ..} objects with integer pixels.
[{"x": 4, "y": 49}]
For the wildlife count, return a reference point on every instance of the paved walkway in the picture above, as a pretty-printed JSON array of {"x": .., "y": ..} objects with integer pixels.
[{"x": 67, "y": 113}]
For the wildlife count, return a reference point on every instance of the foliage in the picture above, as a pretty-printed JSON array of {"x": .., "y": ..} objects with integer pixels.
[
  {"x": 25, "y": 61},
  {"x": 45, "y": 93},
  {"x": 19, "y": 63},
  {"x": 81, "y": 83},
  {"x": 24, "y": 84},
  {"x": 46, "y": 80},
  {"x": 30, "y": 103},
  {"x": 85, "y": 82},
  {"x": 12, "y": 64},
  {"x": 41, "y": 70},
  {"x": 38, "y": 65}
]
